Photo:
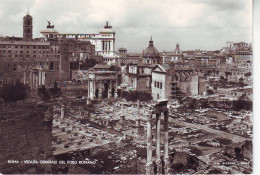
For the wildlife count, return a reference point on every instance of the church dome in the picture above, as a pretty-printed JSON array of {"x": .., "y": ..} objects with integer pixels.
[{"x": 151, "y": 51}]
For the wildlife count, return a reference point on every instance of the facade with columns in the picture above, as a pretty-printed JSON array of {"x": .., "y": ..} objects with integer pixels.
[
  {"x": 104, "y": 41},
  {"x": 34, "y": 77}
]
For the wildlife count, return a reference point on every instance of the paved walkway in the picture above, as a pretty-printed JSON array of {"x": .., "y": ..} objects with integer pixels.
[{"x": 233, "y": 137}]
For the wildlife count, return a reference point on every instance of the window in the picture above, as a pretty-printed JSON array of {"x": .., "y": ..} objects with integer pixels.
[
  {"x": 160, "y": 85},
  {"x": 154, "y": 83},
  {"x": 51, "y": 66}
]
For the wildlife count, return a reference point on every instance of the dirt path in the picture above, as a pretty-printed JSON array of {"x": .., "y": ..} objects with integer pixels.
[{"x": 233, "y": 137}]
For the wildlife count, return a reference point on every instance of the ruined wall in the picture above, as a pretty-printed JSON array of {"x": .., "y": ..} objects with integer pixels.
[{"x": 25, "y": 135}]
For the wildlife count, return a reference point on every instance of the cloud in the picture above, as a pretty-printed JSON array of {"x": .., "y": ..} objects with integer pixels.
[{"x": 205, "y": 24}]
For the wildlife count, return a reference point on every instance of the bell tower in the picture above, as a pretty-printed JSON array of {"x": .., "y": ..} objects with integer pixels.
[{"x": 27, "y": 27}]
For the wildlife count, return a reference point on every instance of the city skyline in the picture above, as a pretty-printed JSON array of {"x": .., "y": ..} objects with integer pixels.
[{"x": 168, "y": 22}]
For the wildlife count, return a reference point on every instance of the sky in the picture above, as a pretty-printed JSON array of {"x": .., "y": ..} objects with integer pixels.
[{"x": 194, "y": 24}]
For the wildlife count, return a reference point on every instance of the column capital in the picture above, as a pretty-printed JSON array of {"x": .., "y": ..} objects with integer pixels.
[
  {"x": 148, "y": 164},
  {"x": 158, "y": 161}
]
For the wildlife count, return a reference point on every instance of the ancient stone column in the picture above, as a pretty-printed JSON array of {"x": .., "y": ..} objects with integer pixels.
[
  {"x": 166, "y": 144},
  {"x": 62, "y": 112},
  {"x": 110, "y": 90},
  {"x": 43, "y": 77},
  {"x": 138, "y": 114},
  {"x": 100, "y": 90},
  {"x": 31, "y": 80},
  {"x": 33, "y": 84},
  {"x": 36, "y": 80},
  {"x": 24, "y": 77},
  {"x": 40, "y": 77},
  {"x": 158, "y": 145},
  {"x": 88, "y": 88},
  {"x": 149, "y": 162},
  {"x": 122, "y": 121},
  {"x": 116, "y": 94},
  {"x": 94, "y": 89}
]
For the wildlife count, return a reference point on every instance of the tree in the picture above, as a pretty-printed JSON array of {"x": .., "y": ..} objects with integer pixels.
[
  {"x": 44, "y": 93},
  {"x": 55, "y": 91},
  {"x": 242, "y": 103},
  {"x": 14, "y": 91}
]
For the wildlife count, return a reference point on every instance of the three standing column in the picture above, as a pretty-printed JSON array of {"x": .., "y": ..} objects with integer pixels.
[{"x": 149, "y": 165}]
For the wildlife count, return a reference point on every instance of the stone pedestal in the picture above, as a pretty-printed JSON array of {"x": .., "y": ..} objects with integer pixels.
[
  {"x": 149, "y": 168},
  {"x": 88, "y": 101}
]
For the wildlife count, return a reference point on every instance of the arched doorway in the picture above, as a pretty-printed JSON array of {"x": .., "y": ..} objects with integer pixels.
[
  {"x": 113, "y": 92},
  {"x": 97, "y": 93},
  {"x": 105, "y": 94}
]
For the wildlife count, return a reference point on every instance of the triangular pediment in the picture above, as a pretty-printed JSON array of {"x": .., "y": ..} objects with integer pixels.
[{"x": 159, "y": 68}]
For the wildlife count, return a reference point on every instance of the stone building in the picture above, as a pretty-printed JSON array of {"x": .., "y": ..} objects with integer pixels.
[
  {"x": 41, "y": 61},
  {"x": 175, "y": 56},
  {"x": 169, "y": 82},
  {"x": 138, "y": 76},
  {"x": 122, "y": 52},
  {"x": 104, "y": 41},
  {"x": 25, "y": 58}
]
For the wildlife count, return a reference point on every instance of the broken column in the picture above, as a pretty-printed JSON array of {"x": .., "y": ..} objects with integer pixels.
[
  {"x": 88, "y": 98},
  {"x": 110, "y": 90},
  {"x": 116, "y": 94},
  {"x": 100, "y": 90},
  {"x": 122, "y": 121},
  {"x": 138, "y": 114},
  {"x": 62, "y": 112}
]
